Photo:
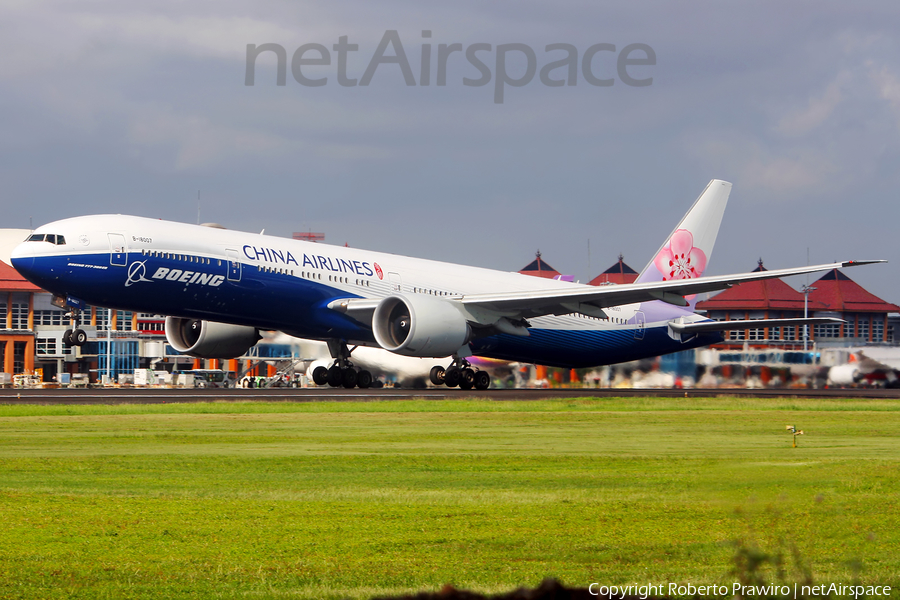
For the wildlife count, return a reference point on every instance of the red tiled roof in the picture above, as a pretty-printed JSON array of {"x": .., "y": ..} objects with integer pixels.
[
  {"x": 835, "y": 291},
  {"x": 759, "y": 295},
  {"x": 618, "y": 273},
  {"x": 11, "y": 281},
  {"x": 538, "y": 268}
]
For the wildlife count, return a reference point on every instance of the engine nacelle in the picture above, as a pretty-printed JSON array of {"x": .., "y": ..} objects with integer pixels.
[
  {"x": 419, "y": 326},
  {"x": 208, "y": 339}
]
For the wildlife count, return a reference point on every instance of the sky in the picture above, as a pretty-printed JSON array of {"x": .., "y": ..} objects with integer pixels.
[{"x": 141, "y": 107}]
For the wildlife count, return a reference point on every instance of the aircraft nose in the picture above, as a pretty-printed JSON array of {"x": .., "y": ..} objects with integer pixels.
[{"x": 22, "y": 260}]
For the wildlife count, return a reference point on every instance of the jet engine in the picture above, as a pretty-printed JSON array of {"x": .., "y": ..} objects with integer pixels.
[
  {"x": 419, "y": 326},
  {"x": 208, "y": 339}
]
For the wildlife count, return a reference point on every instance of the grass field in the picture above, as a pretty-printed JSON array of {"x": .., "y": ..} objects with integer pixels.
[{"x": 336, "y": 500}]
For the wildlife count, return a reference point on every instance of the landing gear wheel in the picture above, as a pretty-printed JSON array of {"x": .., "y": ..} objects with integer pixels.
[
  {"x": 335, "y": 376},
  {"x": 79, "y": 337},
  {"x": 363, "y": 380},
  {"x": 67, "y": 337},
  {"x": 452, "y": 377},
  {"x": 467, "y": 379},
  {"x": 437, "y": 375},
  {"x": 349, "y": 377},
  {"x": 320, "y": 375},
  {"x": 482, "y": 380}
]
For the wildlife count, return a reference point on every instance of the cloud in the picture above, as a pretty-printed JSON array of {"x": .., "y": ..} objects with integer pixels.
[
  {"x": 887, "y": 84},
  {"x": 819, "y": 109},
  {"x": 197, "y": 142}
]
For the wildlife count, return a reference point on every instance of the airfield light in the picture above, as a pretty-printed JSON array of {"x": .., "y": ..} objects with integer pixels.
[{"x": 794, "y": 431}]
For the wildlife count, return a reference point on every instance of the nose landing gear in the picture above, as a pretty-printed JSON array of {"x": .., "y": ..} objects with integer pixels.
[
  {"x": 460, "y": 373},
  {"x": 75, "y": 336}
]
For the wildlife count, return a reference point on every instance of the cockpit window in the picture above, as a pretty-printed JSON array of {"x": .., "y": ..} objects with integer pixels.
[{"x": 53, "y": 238}]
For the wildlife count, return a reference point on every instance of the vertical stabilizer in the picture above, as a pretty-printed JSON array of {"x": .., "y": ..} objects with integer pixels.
[{"x": 686, "y": 252}]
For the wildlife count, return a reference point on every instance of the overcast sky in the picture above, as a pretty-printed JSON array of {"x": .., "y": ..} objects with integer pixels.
[{"x": 134, "y": 107}]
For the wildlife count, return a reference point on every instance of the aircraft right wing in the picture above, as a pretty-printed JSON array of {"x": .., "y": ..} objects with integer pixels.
[
  {"x": 499, "y": 308},
  {"x": 592, "y": 300}
]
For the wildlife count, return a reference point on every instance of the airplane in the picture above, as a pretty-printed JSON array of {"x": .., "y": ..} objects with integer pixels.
[
  {"x": 863, "y": 368},
  {"x": 219, "y": 288}
]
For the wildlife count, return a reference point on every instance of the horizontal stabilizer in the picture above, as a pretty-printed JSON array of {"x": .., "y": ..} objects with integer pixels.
[{"x": 707, "y": 326}]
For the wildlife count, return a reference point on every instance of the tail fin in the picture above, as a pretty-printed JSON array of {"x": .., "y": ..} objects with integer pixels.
[{"x": 687, "y": 250}]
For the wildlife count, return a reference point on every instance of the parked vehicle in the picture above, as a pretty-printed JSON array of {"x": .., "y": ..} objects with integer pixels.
[{"x": 210, "y": 378}]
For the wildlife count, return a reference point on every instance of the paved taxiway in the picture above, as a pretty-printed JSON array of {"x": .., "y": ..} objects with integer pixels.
[{"x": 159, "y": 396}]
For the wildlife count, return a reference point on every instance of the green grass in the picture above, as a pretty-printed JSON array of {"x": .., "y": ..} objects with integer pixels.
[{"x": 335, "y": 500}]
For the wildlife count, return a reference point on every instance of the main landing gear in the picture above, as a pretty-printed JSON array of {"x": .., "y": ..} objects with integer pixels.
[
  {"x": 342, "y": 372},
  {"x": 75, "y": 336},
  {"x": 460, "y": 373}
]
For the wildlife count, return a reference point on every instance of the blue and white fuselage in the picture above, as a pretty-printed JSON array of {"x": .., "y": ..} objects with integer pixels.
[{"x": 195, "y": 272}]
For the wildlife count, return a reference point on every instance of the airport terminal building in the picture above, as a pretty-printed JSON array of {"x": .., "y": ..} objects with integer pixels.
[{"x": 869, "y": 320}]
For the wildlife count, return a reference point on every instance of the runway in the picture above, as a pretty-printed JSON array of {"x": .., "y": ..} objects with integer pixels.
[{"x": 162, "y": 396}]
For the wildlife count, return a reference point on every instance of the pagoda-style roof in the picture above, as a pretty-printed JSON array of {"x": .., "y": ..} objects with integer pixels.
[
  {"x": 759, "y": 295},
  {"x": 618, "y": 273},
  {"x": 11, "y": 281},
  {"x": 835, "y": 291},
  {"x": 539, "y": 268}
]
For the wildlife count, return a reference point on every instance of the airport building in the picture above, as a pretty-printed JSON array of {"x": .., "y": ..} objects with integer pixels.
[
  {"x": 119, "y": 342},
  {"x": 617, "y": 273},
  {"x": 868, "y": 319},
  {"x": 539, "y": 268}
]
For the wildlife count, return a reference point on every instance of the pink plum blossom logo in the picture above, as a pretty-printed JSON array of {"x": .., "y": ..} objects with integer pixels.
[{"x": 679, "y": 259}]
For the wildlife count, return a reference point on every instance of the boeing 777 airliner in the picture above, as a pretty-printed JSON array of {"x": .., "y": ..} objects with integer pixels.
[{"x": 221, "y": 287}]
